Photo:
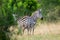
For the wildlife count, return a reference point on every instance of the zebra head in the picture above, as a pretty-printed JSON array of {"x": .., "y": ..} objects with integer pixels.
[{"x": 38, "y": 14}]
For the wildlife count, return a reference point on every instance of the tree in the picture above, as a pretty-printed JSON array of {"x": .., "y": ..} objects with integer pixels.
[
  {"x": 50, "y": 9},
  {"x": 6, "y": 19},
  {"x": 25, "y": 7},
  {"x": 9, "y": 7}
]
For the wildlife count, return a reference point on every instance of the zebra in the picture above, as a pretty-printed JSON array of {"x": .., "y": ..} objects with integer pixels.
[{"x": 28, "y": 22}]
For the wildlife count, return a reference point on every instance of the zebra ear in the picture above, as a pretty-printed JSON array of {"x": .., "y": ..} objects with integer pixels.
[{"x": 40, "y": 9}]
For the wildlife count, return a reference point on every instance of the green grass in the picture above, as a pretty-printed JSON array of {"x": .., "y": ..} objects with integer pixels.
[{"x": 40, "y": 37}]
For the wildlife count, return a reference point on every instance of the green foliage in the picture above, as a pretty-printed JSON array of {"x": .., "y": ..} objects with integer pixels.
[
  {"x": 6, "y": 15},
  {"x": 26, "y": 7},
  {"x": 9, "y": 7},
  {"x": 50, "y": 9},
  {"x": 6, "y": 19}
]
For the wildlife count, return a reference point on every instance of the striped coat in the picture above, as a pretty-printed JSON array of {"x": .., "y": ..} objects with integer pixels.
[{"x": 28, "y": 22}]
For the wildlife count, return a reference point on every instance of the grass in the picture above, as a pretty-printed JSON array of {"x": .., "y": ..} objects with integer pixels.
[
  {"x": 40, "y": 37},
  {"x": 48, "y": 31}
]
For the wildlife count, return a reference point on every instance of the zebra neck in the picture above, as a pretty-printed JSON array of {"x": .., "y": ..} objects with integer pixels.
[{"x": 34, "y": 18}]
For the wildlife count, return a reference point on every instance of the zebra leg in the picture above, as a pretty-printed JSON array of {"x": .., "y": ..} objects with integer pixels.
[
  {"x": 33, "y": 31},
  {"x": 32, "y": 28},
  {"x": 23, "y": 31},
  {"x": 28, "y": 30}
]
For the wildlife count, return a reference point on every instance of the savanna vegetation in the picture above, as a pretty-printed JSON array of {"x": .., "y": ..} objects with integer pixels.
[{"x": 50, "y": 12}]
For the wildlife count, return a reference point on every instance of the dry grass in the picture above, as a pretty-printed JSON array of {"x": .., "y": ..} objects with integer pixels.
[
  {"x": 48, "y": 28},
  {"x": 45, "y": 31}
]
